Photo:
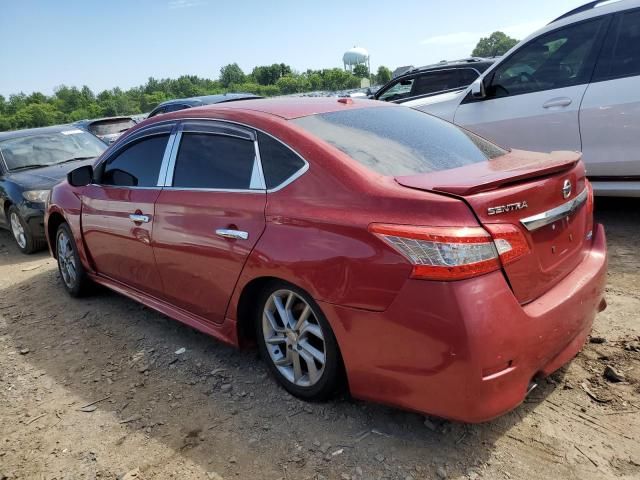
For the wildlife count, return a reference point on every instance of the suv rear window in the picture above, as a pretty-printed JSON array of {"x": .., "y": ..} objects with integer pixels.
[{"x": 398, "y": 141}]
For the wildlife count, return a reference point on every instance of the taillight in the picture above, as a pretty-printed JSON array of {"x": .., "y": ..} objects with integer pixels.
[
  {"x": 509, "y": 240},
  {"x": 453, "y": 253}
]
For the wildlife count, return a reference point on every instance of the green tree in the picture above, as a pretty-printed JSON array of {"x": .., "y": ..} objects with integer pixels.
[
  {"x": 383, "y": 75},
  {"x": 498, "y": 43},
  {"x": 361, "y": 71},
  {"x": 231, "y": 74}
]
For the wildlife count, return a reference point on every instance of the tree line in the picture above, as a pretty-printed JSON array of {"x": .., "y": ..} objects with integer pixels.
[{"x": 69, "y": 104}]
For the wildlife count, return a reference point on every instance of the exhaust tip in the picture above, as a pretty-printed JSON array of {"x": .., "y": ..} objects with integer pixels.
[{"x": 532, "y": 386}]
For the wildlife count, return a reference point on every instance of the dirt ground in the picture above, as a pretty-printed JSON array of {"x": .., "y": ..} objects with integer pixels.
[{"x": 93, "y": 389}]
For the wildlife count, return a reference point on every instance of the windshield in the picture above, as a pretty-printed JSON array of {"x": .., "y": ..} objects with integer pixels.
[
  {"x": 49, "y": 148},
  {"x": 399, "y": 141},
  {"x": 111, "y": 126}
]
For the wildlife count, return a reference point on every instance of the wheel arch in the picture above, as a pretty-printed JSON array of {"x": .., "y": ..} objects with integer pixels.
[
  {"x": 245, "y": 308},
  {"x": 53, "y": 223}
]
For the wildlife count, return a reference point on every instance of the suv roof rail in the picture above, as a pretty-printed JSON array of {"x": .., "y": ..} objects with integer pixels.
[{"x": 583, "y": 8}]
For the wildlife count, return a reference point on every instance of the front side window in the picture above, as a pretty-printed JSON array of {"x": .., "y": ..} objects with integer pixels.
[
  {"x": 46, "y": 149},
  {"x": 214, "y": 161},
  {"x": 138, "y": 165},
  {"x": 279, "y": 163},
  {"x": 558, "y": 59},
  {"x": 398, "y": 91},
  {"x": 399, "y": 141}
]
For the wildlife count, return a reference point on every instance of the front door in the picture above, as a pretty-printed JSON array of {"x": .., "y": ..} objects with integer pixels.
[
  {"x": 208, "y": 217},
  {"x": 533, "y": 97},
  {"x": 118, "y": 213}
]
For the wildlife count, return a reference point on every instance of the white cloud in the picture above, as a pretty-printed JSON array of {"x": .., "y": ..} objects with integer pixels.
[
  {"x": 470, "y": 39},
  {"x": 185, "y": 3}
]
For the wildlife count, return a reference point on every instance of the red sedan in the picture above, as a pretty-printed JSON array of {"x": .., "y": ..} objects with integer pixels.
[{"x": 354, "y": 241}]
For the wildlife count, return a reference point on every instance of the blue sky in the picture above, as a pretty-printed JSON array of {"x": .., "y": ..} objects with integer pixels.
[{"x": 104, "y": 44}]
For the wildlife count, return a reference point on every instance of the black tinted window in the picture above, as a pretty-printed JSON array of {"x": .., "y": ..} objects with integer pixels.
[
  {"x": 558, "y": 59},
  {"x": 138, "y": 165},
  {"x": 399, "y": 141},
  {"x": 626, "y": 54},
  {"x": 467, "y": 76},
  {"x": 435, "y": 82},
  {"x": 278, "y": 162},
  {"x": 214, "y": 161}
]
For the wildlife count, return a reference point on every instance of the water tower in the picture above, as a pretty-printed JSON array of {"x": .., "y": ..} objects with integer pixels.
[{"x": 356, "y": 56}]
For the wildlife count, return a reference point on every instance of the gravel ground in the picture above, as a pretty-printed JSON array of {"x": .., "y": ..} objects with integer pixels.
[{"x": 93, "y": 388}]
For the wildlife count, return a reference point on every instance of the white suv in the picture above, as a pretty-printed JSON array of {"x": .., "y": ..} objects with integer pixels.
[{"x": 573, "y": 85}]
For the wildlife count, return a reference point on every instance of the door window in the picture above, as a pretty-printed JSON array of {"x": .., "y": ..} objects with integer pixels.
[
  {"x": 558, "y": 59},
  {"x": 279, "y": 163},
  {"x": 400, "y": 90},
  {"x": 214, "y": 161},
  {"x": 138, "y": 165},
  {"x": 621, "y": 54},
  {"x": 435, "y": 82}
]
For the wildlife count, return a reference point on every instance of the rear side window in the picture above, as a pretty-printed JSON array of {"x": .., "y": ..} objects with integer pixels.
[
  {"x": 279, "y": 163},
  {"x": 435, "y": 82},
  {"x": 558, "y": 59},
  {"x": 214, "y": 161},
  {"x": 399, "y": 141},
  {"x": 138, "y": 165},
  {"x": 621, "y": 54}
]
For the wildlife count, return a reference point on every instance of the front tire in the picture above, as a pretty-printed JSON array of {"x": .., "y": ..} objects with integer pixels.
[
  {"x": 22, "y": 235},
  {"x": 296, "y": 341},
  {"x": 73, "y": 275}
]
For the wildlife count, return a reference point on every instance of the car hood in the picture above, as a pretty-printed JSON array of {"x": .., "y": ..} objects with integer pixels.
[{"x": 46, "y": 177}]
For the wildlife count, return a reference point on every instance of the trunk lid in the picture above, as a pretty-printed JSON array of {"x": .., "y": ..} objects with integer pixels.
[{"x": 528, "y": 190}]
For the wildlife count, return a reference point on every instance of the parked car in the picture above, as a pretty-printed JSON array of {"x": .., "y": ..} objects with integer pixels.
[
  {"x": 31, "y": 162},
  {"x": 107, "y": 129},
  {"x": 346, "y": 236},
  {"x": 572, "y": 85},
  {"x": 182, "y": 103},
  {"x": 419, "y": 83}
]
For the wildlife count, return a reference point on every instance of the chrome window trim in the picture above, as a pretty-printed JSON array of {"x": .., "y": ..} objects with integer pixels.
[
  {"x": 278, "y": 187},
  {"x": 227, "y": 190},
  {"x": 257, "y": 174},
  {"x": 162, "y": 175},
  {"x": 171, "y": 164},
  {"x": 540, "y": 220}
]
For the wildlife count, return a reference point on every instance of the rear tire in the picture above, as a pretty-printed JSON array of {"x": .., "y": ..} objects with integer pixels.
[
  {"x": 73, "y": 275},
  {"x": 296, "y": 341},
  {"x": 22, "y": 234}
]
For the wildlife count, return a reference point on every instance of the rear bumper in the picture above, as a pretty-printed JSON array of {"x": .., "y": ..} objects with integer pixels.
[{"x": 468, "y": 350}]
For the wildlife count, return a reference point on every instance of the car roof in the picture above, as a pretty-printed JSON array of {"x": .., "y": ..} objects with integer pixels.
[
  {"x": 289, "y": 108},
  {"x": 464, "y": 63},
  {"x": 209, "y": 99},
  {"x": 28, "y": 132}
]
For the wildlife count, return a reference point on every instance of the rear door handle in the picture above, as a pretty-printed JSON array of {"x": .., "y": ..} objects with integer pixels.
[
  {"x": 139, "y": 218},
  {"x": 235, "y": 234},
  {"x": 557, "y": 102}
]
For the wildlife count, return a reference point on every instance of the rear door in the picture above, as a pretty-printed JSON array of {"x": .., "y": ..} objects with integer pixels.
[
  {"x": 533, "y": 96},
  {"x": 209, "y": 216},
  {"x": 610, "y": 113},
  {"x": 118, "y": 210}
]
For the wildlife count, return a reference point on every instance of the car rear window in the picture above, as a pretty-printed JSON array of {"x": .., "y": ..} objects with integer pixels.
[
  {"x": 109, "y": 127},
  {"x": 398, "y": 140}
]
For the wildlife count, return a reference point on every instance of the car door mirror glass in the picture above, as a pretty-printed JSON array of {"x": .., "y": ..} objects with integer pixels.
[{"x": 81, "y": 176}]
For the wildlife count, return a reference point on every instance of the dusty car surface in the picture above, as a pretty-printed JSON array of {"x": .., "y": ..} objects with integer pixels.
[
  {"x": 107, "y": 129},
  {"x": 351, "y": 240}
]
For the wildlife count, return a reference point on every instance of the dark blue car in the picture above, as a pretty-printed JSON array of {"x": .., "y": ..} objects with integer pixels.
[{"x": 31, "y": 162}]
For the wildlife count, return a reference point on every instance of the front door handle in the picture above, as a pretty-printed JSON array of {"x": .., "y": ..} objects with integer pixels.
[
  {"x": 557, "y": 102},
  {"x": 139, "y": 218},
  {"x": 235, "y": 234}
]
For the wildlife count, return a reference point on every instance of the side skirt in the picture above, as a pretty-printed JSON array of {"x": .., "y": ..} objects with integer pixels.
[{"x": 225, "y": 332}]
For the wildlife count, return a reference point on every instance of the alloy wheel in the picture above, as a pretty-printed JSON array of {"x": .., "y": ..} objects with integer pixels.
[
  {"x": 294, "y": 338},
  {"x": 67, "y": 260},
  {"x": 18, "y": 230}
]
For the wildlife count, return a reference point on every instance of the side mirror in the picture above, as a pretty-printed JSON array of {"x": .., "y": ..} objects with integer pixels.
[
  {"x": 81, "y": 176},
  {"x": 478, "y": 89}
]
